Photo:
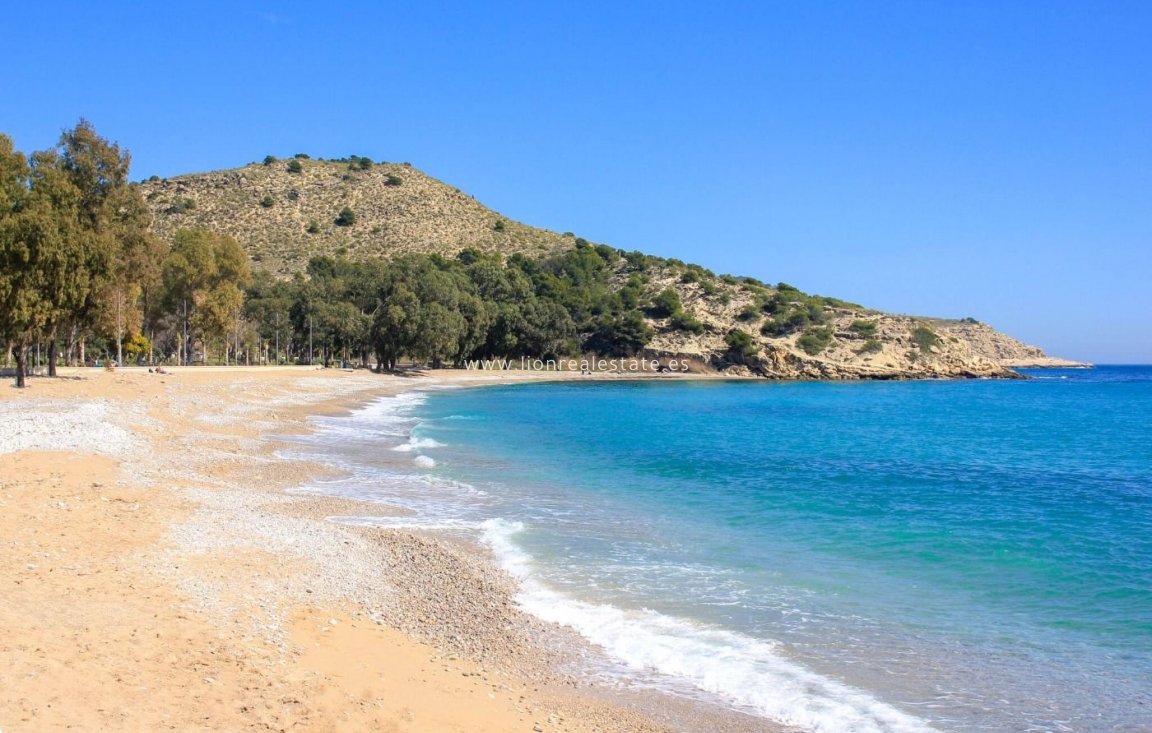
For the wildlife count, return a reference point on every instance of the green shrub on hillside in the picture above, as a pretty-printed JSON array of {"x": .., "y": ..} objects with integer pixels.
[
  {"x": 301, "y": 156},
  {"x": 683, "y": 321},
  {"x": 294, "y": 166},
  {"x": 293, "y": 195},
  {"x": 667, "y": 303},
  {"x": 740, "y": 342},
  {"x": 750, "y": 313},
  {"x": 269, "y": 159},
  {"x": 393, "y": 180},
  {"x": 871, "y": 346},
  {"x": 346, "y": 218},
  {"x": 268, "y": 202},
  {"x": 925, "y": 338},
  {"x": 690, "y": 276},
  {"x": 863, "y": 329},
  {"x": 313, "y": 227},
  {"x": 499, "y": 226},
  {"x": 815, "y": 339},
  {"x": 181, "y": 206}
]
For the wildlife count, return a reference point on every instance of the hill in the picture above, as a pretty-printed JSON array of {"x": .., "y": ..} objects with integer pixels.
[
  {"x": 285, "y": 212},
  {"x": 396, "y": 209}
]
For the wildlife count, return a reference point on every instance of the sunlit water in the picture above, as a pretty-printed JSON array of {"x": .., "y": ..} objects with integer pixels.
[{"x": 849, "y": 557}]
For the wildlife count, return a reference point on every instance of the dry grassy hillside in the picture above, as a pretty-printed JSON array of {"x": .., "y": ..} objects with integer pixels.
[
  {"x": 286, "y": 211},
  {"x": 397, "y": 209}
]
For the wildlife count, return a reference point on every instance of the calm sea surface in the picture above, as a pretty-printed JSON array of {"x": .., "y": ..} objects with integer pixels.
[{"x": 962, "y": 556}]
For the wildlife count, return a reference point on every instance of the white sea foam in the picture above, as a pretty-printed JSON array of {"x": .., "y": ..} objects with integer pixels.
[
  {"x": 386, "y": 417},
  {"x": 415, "y": 443},
  {"x": 407, "y": 523},
  {"x": 747, "y": 671},
  {"x": 424, "y": 461}
]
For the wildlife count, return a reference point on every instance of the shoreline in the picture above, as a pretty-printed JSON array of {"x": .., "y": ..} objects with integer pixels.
[{"x": 260, "y": 570}]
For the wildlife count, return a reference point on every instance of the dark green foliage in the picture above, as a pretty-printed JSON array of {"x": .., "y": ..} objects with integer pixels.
[
  {"x": 181, "y": 206},
  {"x": 792, "y": 311},
  {"x": 863, "y": 329},
  {"x": 293, "y": 195},
  {"x": 638, "y": 261},
  {"x": 683, "y": 321},
  {"x": 666, "y": 303},
  {"x": 607, "y": 254},
  {"x": 499, "y": 225},
  {"x": 969, "y": 319},
  {"x": 393, "y": 180},
  {"x": 301, "y": 156},
  {"x": 837, "y": 303},
  {"x": 624, "y": 335},
  {"x": 729, "y": 280},
  {"x": 364, "y": 163},
  {"x": 871, "y": 346},
  {"x": 268, "y": 202},
  {"x": 690, "y": 276},
  {"x": 925, "y": 338},
  {"x": 294, "y": 166},
  {"x": 269, "y": 159},
  {"x": 441, "y": 311},
  {"x": 708, "y": 288},
  {"x": 313, "y": 227},
  {"x": 750, "y": 313},
  {"x": 740, "y": 343},
  {"x": 346, "y": 218},
  {"x": 815, "y": 339}
]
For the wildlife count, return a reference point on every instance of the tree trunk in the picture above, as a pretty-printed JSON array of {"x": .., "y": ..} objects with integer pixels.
[
  {"x": 83, "y": 356},
  {"x": 52, "y": 353},
  {"x": 21, "y": 365}
]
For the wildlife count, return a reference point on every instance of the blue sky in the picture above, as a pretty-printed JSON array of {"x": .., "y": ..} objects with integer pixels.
[{"x": 956, "y": 159}]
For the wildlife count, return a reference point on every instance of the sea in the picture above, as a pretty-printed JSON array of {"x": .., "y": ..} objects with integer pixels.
[{"x": 875, "y": 556}]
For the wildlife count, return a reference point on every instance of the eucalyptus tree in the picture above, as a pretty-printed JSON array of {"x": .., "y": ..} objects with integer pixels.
[
  {"x": 23, "y": 229},
  {"x": 204, "y": 277},
  {"x": 114, "y": 260}
]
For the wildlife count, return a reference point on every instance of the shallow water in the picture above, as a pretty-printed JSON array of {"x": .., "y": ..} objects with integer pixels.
[{"x": 849, "y": 557}]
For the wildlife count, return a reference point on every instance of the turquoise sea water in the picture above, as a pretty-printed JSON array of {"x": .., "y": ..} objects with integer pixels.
[{"x": 961, "y": 556}]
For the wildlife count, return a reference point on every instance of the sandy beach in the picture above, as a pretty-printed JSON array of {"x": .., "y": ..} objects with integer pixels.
[{"x": 157, "y": 576}]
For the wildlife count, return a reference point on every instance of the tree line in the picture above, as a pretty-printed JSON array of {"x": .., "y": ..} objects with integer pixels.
[
  {"x": 82, "y": 274},
  {"x": 76, "y": 253},
  {"x": 439, "y": 310}
]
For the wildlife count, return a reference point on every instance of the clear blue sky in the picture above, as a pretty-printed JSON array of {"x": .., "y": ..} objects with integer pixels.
[{"x": 957, "y": 159}]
